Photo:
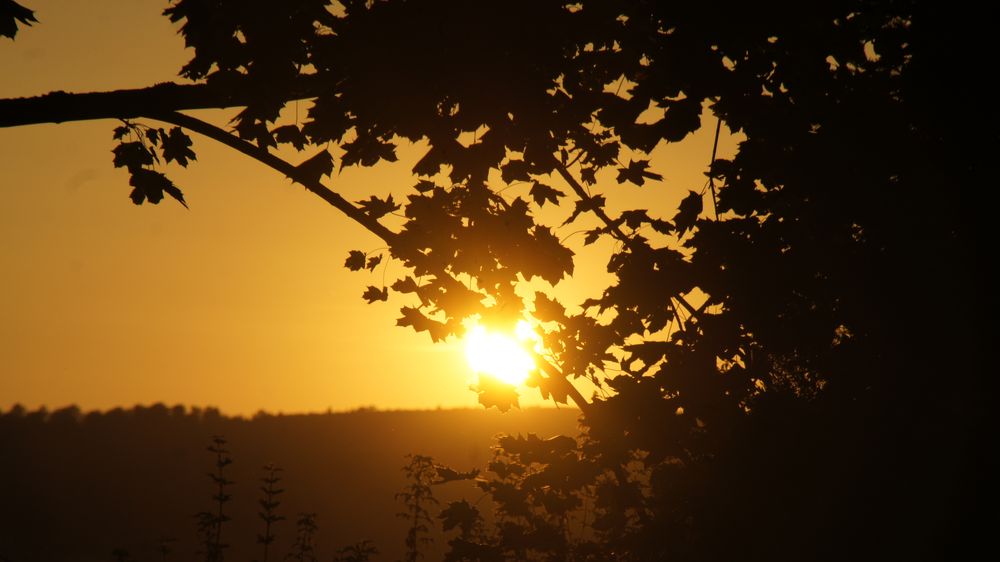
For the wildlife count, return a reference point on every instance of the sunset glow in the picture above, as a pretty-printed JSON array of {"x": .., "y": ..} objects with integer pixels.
[{"x": 506, "y": 357}]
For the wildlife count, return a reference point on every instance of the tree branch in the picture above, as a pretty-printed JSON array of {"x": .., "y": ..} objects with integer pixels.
[
  {"x": 265, "y": 157},
  {"x": 553, "y": 373},
  {"x": 59, "y": 107},
  {"x": 615, "y": 229}
]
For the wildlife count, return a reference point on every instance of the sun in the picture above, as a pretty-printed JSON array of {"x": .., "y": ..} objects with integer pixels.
[{"x": 505, "y": 357}]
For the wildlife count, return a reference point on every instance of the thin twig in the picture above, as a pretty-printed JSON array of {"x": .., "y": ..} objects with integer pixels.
[{"x": 711, "y": 179}]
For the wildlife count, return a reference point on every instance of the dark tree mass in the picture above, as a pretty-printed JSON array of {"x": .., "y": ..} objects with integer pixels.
[{"x": 792, "y": 363}]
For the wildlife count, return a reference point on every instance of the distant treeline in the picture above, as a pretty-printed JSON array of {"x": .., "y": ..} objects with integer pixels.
[{"x": 79, "y": 486}]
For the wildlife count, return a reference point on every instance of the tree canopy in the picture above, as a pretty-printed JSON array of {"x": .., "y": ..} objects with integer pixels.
[{"x": 800, "y": 334}]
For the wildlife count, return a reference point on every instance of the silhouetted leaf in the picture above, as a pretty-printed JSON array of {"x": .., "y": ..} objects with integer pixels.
[
  {"x": 413, "y": 317},
  {"x": 549, "y": 258},
  {"x": 515, "y": 170},
  {"x": 290, "y": 134},
  {"x": 634, "y": 218},
  {"x": 373, "y": 262},
  {"x": 177, "y": 146},
  {"x": 496, "y": 394},
  {"x": 121, "y": 131},
  {"x": 542, "y": 193},
  {"x": 688, "y": 211},
  {"x": 151, "y": 185},
  {"x": 12, "y": 13},
  {"x": 316, "y": 167},
  {"x": 373, "y": 293},
  {"x": 548, "y": 310},
  {"x": 682, "y": 117},
  {"x": 132, "y": 155},
  {"x": 367, "y": 151},
  {"x": 423, "y": 186},
  {"x": 405, "y": 285},
  {"x": 585, "y": 205},
  {"x": 637, "y": 173},
  {"x": 355, "y": 260},
  {"x": 377, "y": 208}
]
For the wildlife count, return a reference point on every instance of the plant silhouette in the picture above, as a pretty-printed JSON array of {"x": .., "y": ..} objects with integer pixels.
[
  {"x": 792, "y": 358},
  {"x": 417, "y": 498},
  {"x": 304, "y": 548},
  {"x": 268, "y": 506},
  {"x": 210, "y": 523}
]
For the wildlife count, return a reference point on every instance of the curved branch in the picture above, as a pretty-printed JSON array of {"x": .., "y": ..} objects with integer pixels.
[
  {"x": 59, "y": 107},
  {"x": 265, "y": 157}
]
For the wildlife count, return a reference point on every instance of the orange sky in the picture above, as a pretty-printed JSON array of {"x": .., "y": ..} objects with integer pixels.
[{"x": 240, "y": 302}]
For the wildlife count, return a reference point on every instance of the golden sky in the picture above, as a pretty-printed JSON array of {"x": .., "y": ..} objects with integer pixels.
[{"x": 241, "y": 302}]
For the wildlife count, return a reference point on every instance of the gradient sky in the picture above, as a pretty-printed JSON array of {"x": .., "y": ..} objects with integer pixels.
[{"x": 241, "y": 302}]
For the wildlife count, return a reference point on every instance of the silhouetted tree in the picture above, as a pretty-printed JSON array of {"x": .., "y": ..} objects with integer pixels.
[{"x": 793, "y": 358}]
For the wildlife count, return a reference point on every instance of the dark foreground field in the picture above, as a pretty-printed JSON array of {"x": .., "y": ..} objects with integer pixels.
[{"x": 77, "y": 487}]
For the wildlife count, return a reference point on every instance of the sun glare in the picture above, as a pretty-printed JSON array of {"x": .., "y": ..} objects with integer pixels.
[{"x": 503, "y": 356}]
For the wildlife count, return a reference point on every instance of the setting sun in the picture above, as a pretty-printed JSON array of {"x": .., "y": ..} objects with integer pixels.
[{"x": 502, "y": 356}]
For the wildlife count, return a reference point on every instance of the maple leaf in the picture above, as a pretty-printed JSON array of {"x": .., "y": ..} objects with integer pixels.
[
  {"x": 547, "y": 309},
  {"x": 584, "y": 205},
  {"x": 256, "y": 131},
  {"x": 132, "y": 155},
  {"x": 177, "y": 146},
  {"x": 373, "y": 262},
  {"x": 550, "y": 260},
  {"x": 514, "y": 170},
  {"x": 373, "y": 293},
  {"x": 413, "y": 317},
  {"x": 496, "y": 393},
  {"x": 290, "y": 134},
  {"x": 682, "y": 117},
  {"x": 150, "y": 185},
  {"x": 10, "y": 14},
  {"x": 542, "y": 193},
  {"x": 316, "y": 167},
  {"x": 355, "y": 260},
  {"x": 377, "y": 208},
  {"x": 637, "y": 173},
  {"x": 423, "y": 186},
  {"x": 405, "y": 285},
  {"x": 367, "y": 150},
  {"x": 121, "y": 131},
  {"x": 687, "y": 212}
]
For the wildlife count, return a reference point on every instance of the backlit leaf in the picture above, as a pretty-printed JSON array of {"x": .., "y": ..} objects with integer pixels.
[
  {"x": 177, "y": 146},
  {"x": 355, "y": 260},
  {"x": 373, "y": 293},
  {"x": 316, "y": 167},
  {"x": 542, "y": 193}
]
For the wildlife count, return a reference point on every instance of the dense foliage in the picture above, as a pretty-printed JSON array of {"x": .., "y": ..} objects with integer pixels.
[{"x": 791, "y": 362}]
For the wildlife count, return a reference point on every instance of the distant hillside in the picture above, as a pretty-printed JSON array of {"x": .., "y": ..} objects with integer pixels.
[{"x": 76, "y": 486}]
